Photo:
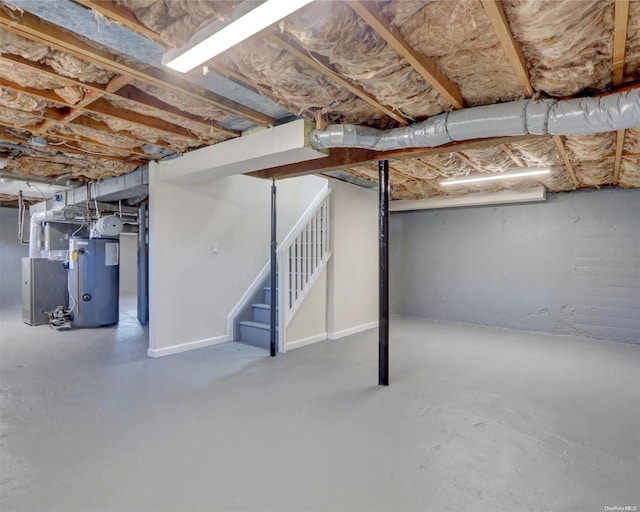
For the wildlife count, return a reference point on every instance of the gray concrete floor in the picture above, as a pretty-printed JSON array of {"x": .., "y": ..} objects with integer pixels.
[{"x": 475, "y": 419}]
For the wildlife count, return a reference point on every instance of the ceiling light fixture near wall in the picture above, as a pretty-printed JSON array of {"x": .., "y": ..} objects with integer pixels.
[
  {"x": 257, "y": 19},
  {"x": 523, "y": 173}
]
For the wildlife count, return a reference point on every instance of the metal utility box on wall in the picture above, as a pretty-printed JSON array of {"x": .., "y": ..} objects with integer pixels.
[{"x": 44, "y": 287}]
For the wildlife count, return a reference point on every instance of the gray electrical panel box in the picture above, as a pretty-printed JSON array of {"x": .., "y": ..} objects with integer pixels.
[{"x": 44, "y": 287}]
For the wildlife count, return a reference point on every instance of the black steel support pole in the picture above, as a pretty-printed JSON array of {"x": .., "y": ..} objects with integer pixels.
[
  {"x": 383, "y": 301},
  {"x": 274, "y": 266},
  {"x": 143, "y": 266}
]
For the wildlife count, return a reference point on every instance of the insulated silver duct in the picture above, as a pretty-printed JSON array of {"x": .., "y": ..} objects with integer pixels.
[
  {"x": 37, "y": 242},
  {"x": 538, "y": 117}
]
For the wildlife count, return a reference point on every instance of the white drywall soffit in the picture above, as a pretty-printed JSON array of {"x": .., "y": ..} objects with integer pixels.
[
  {"x": 279, "y": 145},
  {"x": 527, "y": 195}
]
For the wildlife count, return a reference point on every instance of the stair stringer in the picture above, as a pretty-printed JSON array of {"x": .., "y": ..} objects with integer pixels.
[{"x": 239, "y": 311}]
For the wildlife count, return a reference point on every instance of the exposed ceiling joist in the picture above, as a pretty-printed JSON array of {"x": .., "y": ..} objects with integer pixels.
[
  {"x": 620, "y": 39},
  {"x": 30, "y": 27},
  {"x": 431, "y": 166},
  {"x": 93, "y": 103},
  {"x": 99, "y": 126},
  {"x": 618, "y": 160},
  {"x": 126, "y": 92},
  {"x": 75, "y": 112},
  {"x": 118, "y": 82},
  {"x": 134, "y": 155},
  {"x": 505, "y": 149},
  {"x": 370, "y": 13},
  {"x": 470, "y": 163},
  {"x": 619, "y": 49},
  {"x": 89, "y": 97},
  {"x": 398, "y": 172},
  {"x": 498, "y": 19},
  {"x": 103, "y": 107},
  {"x": 71, "y": 145},
  {"x": 126, "y": 18},
  {"x": 565, "y": 158},
  {"x": 323, "y": 66},
  {"x": 344, "y": 158},
  {"x": 239, "y": 77}
]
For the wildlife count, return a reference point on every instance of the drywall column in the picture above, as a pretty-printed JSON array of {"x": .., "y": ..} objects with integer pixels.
[
  {"x": 383, "y": 305},
  {"x": 274, "y": 267}
]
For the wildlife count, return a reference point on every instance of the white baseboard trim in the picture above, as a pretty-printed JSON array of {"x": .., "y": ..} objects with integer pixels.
[
  {"x": 352, "y": 330},
  {"x": 306, "y": 341},
  {"x": 190, "y": 345}
]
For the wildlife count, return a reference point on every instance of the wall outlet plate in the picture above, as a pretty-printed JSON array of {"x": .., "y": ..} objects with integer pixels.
[{"x": 215, "y": 248}]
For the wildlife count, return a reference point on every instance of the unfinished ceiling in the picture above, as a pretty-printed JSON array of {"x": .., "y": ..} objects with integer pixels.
[{"x": 83, "y": 94}]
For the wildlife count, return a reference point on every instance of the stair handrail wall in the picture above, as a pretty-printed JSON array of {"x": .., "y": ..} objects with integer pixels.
[{"x": 302, "y": 256}]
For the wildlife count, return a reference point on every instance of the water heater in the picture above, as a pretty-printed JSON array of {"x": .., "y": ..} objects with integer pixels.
[{"x": 94, "y": 281}]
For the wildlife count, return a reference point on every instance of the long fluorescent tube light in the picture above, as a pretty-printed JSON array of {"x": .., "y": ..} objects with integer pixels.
[
  {"x": 493, "y": 177},
  {"x": 528, "y": 195},
  {"x": 237, "y": 31}
]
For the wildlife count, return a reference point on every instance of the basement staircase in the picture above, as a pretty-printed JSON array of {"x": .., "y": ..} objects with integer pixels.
[
  {"x": 257, "y": 331},
  {"x": 301, "y": 257}
]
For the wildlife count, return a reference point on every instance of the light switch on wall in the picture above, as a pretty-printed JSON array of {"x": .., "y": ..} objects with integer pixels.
[{"x": 215, "y": 248}]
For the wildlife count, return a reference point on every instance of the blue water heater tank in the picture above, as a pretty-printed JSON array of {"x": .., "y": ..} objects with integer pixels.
[{"x": 94, "y": 281}]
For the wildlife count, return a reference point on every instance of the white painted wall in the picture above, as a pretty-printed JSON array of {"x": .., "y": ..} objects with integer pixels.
[
  {"x": 344, "y": 299},
  {"x": 128, "y": 265},
  {"x": 352, "y": 286},
  {"x": 310, "y": 321},
  {"x": 191, "y": 290}
]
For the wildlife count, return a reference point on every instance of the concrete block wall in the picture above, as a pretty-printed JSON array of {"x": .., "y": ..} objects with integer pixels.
[{"x": 570, "y": 265}]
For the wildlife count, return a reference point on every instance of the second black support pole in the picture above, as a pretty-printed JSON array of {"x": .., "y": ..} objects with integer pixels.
[
  {"x": 274, "y": 281},
  {"x": 383, "y": 302}
]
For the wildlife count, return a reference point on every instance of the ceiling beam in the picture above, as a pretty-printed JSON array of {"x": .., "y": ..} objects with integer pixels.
[
  {"x": 620, "y": 39},
  {"x": 322, "y": 120},
  {"x": 53, "y": 115},
  {"x": 118, "y": 82},
  {"x": 231, "y": 73},
  {"x": 565, "y": 158},
  {"x": 126, "y": 92},
  {"x": 343, "y": 158},
  {"x": 104, "y": 108},
  {"x": 618, "y": 160},
  {"x": 619, "y": 49},
  {"x": 31, "y": 27},
  {"x": 432, "y": 167},
  {"x": 370, "y": 13},
  {"x": 72, "y": 145},
  {"x": 470, "y": 163},
  {"x": 124, "y": 17},
  {"x": 512, "y": 48},
  {"x": 100, "y": 126},
  {"x": 322, "y": 65},
  {"x": 89, "y": 97},
  {"x": 398, "y": 172},
  {"x": 93, "y": 103},
  {"x": 505, "y": 149}
]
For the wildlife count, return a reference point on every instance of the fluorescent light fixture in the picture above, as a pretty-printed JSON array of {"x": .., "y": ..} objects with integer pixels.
[
  {"x": 528, "y": 195},
  {"x": 267, "y": 13},
  {"x": 494, "y": 177}
]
